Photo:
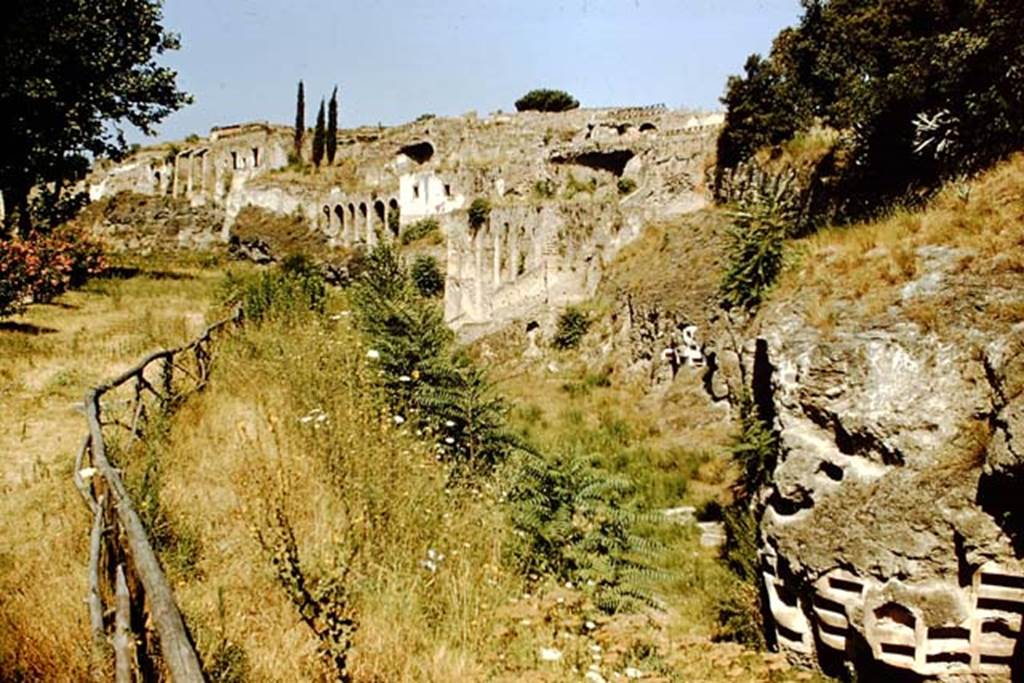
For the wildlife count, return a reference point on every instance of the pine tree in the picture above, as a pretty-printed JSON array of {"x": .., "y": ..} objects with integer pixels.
[
  {"x": 300, "y": 121},
  {"x": 318, "y": 136},
  {"x": 332, "y": 126}
]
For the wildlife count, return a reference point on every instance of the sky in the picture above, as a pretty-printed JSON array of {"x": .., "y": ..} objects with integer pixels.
[{"x": 393, "y": 60}]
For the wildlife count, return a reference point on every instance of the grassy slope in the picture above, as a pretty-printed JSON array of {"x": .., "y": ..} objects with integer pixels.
[
  {"x": 861, "y": 270},
  {"x": 48, "y": 357}
]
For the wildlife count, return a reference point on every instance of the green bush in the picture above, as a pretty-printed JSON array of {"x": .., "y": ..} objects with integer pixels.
[
  {"x": 294, "y": 288},
  {"x": 544, "y": 99},
  {"x": 572, "y": 522},
  {"x": 765, "y": 216},
  {"x": 423, "y": 376},
  {"x": 546, "y": 188},
  {"x": 626, "y": 185},
  {"x": 573, "y": 324},
  {"x": 575, "y": 186},
  {"x": 479, "y": 212},
  {"x": 427, "y": 276},
  {"x": 420, "y": 229}
]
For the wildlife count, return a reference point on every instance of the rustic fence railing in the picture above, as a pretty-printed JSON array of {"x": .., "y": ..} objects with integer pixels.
[{"x": 131, "y": 605}]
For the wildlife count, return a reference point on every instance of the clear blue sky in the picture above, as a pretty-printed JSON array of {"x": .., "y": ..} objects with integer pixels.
[{"x": 396, "y": 59}]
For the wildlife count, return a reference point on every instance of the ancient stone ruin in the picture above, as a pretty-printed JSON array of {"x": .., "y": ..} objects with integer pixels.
[{"x": 568, "y": 191}]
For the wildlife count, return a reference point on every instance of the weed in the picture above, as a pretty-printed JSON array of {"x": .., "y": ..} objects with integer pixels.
[{"x": 573, "y": 324}]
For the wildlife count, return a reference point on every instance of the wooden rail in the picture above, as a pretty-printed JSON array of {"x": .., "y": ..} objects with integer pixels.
[{"x": 131, "y": 604}]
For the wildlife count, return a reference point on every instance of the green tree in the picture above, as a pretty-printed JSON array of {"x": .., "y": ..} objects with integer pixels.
[
  {"x": 318, "y": 137},
  {"x": 75, "y": 72},
  {"x": 427, "y": 276},
  {"x": 300, "y": 120},
  {"x": 332, "y": 126},
  {"x": 920, "y": 90},
  {"x": 544, "y": 99}
]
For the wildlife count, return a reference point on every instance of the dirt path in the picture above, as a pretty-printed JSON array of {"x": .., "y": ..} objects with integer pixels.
[{"x": 48, "y": 357}]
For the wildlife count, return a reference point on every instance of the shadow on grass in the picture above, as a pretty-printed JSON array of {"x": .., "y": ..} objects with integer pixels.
[
  {"x": 128, "y": 272},
  {"x": 24, "y": 328}
]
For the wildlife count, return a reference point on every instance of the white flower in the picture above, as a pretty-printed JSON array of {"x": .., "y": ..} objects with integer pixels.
[
  {"x": 87, "y": 473},
  {"x": 550, "y": 654},
  {"x": 633, "y": 672},
  {"x": 398, "y": 419},
  {"x": 449, "y": 423},
  {"x": 590, "y": 626},
  {"x": 449, "y": 440},
  {"x": 305, "y": 419},
  {"x": 405, "y": 378},
  {"x": 373, "y": 354}
]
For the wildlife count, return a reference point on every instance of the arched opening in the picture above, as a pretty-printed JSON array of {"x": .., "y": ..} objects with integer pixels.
[
  {"x": 339, "y": 211},
  {"x": 644, "y": 127},
  {"x": 420, "y": 152},
  {"x": 364, "y": 221},
  {"x": 328, "y": 228},
  {"x": 379, "y": 211},
  {"x": 394, "y": 217}
]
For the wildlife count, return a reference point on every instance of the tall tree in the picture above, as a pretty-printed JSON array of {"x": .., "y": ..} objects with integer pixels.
[
  {"x": 318, "y": 136},
  {"x": 300, "y": 121},
  {"x": 74, "y": 73},
  {"x": 332, "y": 126}
]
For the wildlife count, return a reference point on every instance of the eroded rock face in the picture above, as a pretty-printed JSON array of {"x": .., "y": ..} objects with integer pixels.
[{"x": 892, "y": 528}]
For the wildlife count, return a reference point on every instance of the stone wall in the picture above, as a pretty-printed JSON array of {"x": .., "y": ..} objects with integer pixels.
[{"x": 892, "y": 535}]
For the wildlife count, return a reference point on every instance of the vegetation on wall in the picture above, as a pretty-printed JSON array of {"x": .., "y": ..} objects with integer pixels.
[
  {"x": 421, "y": 229},
  {"x": 479, "y": 212},
  {"x": 544, "y": 99}
]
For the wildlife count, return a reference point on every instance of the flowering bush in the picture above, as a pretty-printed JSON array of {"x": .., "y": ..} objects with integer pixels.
[{"x": 40, "y": 268}]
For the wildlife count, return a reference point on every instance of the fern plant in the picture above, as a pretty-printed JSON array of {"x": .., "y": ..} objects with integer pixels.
[{"x": 571, "y": 521}]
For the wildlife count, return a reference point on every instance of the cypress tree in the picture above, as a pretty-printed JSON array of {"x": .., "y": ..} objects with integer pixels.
[
  {"x": 318, "y": 136},
  {"x": 300, "y": 121},
  {"x": 332, "y": 126}
]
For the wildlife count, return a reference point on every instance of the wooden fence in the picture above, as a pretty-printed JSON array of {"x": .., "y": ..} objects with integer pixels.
[{"x": 131, "y": 604}]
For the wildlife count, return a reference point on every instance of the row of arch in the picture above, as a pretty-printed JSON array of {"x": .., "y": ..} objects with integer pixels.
[{"x": 363, "y": 222}]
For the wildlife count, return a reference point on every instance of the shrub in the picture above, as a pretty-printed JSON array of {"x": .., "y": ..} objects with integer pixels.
[
  {"x": 572, "y": 522},
  {"x": 573, "y": 324},
  {"x": 294, "y": 288},
  {"x": 42, "y": 267},
  {"x": 575, "y": 186},
  {"x": 427, "y": 276},
  {"x": 764, "y": 217},
  {"x": 423, "y": 377},
  {"x": 420, "y": 229},
  {"x": 626, "y": 185},
  {"x": 479, "y": 212},
  {"x": 547, "y": 100},
  {"x": 545, "y": 188}
]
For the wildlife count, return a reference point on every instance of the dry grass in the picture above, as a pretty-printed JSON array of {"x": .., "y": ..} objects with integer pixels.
[
  {"x": 869, "y": 263},
  {"x": 48, "y": 357}
]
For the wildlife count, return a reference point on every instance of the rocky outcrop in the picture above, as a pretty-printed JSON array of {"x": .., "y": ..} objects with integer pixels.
[
  {"x": 142, "y": 224},
  {"x": 892, "y": 524}
]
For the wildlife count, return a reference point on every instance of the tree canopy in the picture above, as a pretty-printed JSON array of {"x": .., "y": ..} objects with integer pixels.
[
  {"x": 546, "y": 100},
  {"x": 919, "y": 90},
  {"x": 75, "y": 72}
]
